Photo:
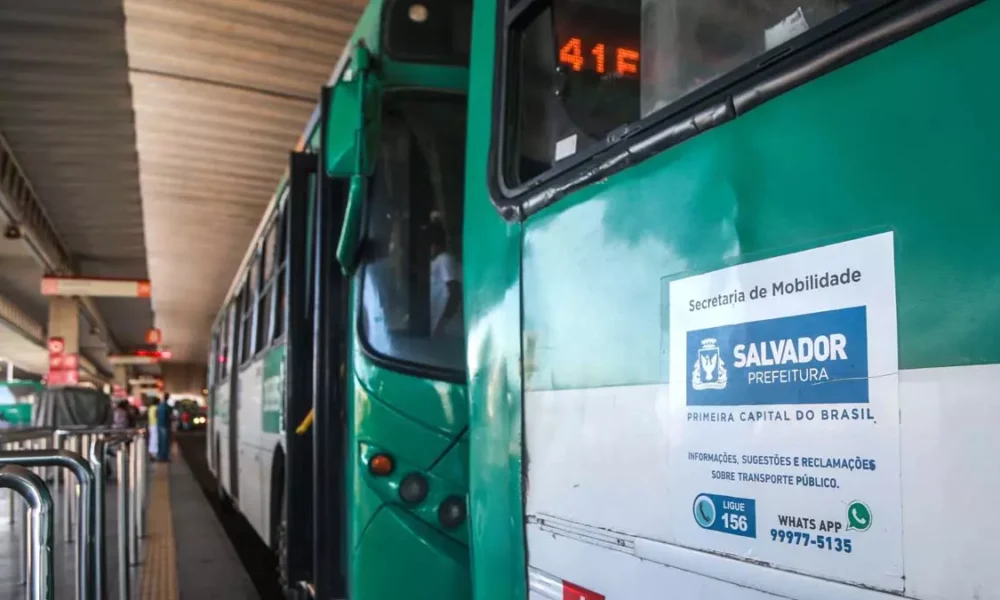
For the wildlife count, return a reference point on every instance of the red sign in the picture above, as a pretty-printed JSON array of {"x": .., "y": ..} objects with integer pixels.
[
  {"x": 572, "y": 591},
  {"x": 579, "y": 56},
  {"x": 93, "y": 286},
  {"x": 59, "y": 378},
  {"x": 50, "y": 287},
  {"x": 140, "y": 357},
  {"x": 154, "y": 336},
  {"x": 64, "y": 369},
  {"x": 56, "y": 345}
]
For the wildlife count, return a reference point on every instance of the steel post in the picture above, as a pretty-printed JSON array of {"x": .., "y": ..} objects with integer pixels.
[
  {"x": 37, "y": 497},
  {"x": 84, "y": 444},
  {"x": 80, "y": 468},
  {"x": 96, "y": 457},
  {"x": 69, "y": 493},
  {"x": 124, "y": 585},
  {"x": 64, "y": 486},
  {"x": 133, "y": 504},
  {"x": 10, "y": 494},
  {"x": 44, "y": 444},
  {"x": 25, "y": 538},
  {"x": 143, "y": 483},
  {"x": 57, "y": 444}
]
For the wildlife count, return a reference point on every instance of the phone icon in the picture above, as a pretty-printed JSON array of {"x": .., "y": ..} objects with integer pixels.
[
  {"x": 859, "y": 516},
  {"x": 704, "y": 511}
]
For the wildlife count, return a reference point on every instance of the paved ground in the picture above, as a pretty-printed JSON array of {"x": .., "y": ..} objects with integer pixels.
[
  {"x": 256, "y": 557},
  {"x": 208, "y": 566}
]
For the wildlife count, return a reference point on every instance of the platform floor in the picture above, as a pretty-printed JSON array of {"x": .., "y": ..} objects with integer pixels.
[
  {"x": 184, "y": 556},
  {"x": 207, "y": 564}
]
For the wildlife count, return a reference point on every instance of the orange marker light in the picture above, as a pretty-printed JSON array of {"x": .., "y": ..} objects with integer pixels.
[{"x": 380, "y": 464}]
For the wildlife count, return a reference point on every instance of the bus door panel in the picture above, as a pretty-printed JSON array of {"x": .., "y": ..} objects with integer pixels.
[
  {"x": 297, "y": 492},
  {"x": 330, "y": 443},
  {"x": 234, "y": 422},
  {"x": 249, "y": 434}
]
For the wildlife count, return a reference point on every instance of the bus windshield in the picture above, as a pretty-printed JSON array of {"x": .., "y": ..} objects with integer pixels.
[{"x": 411, "y": 308}]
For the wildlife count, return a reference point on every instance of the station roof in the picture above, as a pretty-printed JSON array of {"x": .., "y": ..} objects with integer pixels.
[{"x": 152, "y": 135}]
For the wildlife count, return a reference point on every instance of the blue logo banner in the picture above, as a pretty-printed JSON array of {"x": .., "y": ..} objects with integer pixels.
[
  {"x": 726, "y": 514},
  {"x": 817, "y": 358}
]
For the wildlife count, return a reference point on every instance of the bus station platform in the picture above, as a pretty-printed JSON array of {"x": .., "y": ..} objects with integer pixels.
[{"x": 183, "y": 554}]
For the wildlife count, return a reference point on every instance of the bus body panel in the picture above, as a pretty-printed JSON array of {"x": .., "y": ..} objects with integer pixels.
[
  {"x": 413, "y": 414},
  {"x": 220, "y": 429},
  {"x": 902, "y": 141},
  {"x": 271, "y": 436},
  {"x": 492, "y": 309},
  {"x": 261, "y": 396},
  {"x": 419, "y": 422},
  {"x": 250, "y": 387}
]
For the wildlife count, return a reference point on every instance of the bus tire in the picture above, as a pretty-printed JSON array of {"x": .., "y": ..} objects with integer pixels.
[{"x": 280, "y": 533}]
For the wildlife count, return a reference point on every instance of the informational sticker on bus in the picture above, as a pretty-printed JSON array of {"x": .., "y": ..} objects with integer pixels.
[
  {"x": 784, "y": 412},
  {"x": 272, "y": 399}
]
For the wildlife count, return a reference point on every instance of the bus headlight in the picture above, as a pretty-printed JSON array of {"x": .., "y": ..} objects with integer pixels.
[
  {"x": 451, "y": 513},
  {"x": 413, "y": 488}
]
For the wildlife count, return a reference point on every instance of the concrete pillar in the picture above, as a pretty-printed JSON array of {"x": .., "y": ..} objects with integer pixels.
[
  {"x": 121, "y": 376},
  {"x": 64, "y": 322}
]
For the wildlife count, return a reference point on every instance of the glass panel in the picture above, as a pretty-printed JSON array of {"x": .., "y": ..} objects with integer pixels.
[
  {"x": 279, "y": 312},
  {"x": 433, "y": 31},
  {"x": 245, "y": 345},
  {"x": 264, "y": 320},
  {"x": 270, "y": 241},
  {"x": 227, "y": 340},
  {"x": 586, "y": 68},
  {"x": 282, "y": 229},
  {"x": 246, "y": 308},
  {"x": 253, "y": 281},
  {"x": 411, "y": 291}
]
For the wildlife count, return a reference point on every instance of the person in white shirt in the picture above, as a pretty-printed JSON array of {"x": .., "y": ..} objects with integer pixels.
[{"x": 446, "y": 285}]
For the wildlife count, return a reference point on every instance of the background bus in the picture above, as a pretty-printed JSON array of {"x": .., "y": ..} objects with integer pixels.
[
  {"x": 338, "y": 419},
  {"x": 17, "y": 400}
]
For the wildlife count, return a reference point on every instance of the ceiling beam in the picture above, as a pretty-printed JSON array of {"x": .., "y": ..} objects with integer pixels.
[{"x": 22, "y": 207}]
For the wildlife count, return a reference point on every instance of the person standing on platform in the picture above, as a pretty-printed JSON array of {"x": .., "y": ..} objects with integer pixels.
[
  {"x": 120, "y": 416},
  {"x": 163, "y": 429},
  {"x": 154, "y": 437}
]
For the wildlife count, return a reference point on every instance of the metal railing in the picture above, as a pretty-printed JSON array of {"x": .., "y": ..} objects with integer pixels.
[{"x": 74, "y": 460}]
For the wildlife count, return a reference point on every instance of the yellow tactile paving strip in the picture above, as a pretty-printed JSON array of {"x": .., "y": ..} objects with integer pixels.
[{"x": 158, "y": 580}]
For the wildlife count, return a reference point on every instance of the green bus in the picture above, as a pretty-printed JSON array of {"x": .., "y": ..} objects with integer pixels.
[
  {"x": 338, "y": 419},
  {"x": 732, "y": 302},
  {"x": 17, "y": 400}
]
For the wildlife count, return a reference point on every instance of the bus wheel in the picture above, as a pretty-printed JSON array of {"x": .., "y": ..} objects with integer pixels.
[{"x": 279, "y": 534}]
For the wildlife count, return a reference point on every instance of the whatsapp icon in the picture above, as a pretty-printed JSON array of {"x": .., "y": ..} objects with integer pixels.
[{"x": 859, "y": 516}]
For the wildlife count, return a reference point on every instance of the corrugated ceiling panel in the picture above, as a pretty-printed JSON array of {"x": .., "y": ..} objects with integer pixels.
[
  {"x": 222, "y": 90},
  {"x": 66, "y": 110}
]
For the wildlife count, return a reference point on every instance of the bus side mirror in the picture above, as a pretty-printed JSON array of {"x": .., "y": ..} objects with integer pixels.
[
  {"x": 349, "y": 246},
  {"x": 349, "y": 113},
  {"x": 351, "y": 132}
]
